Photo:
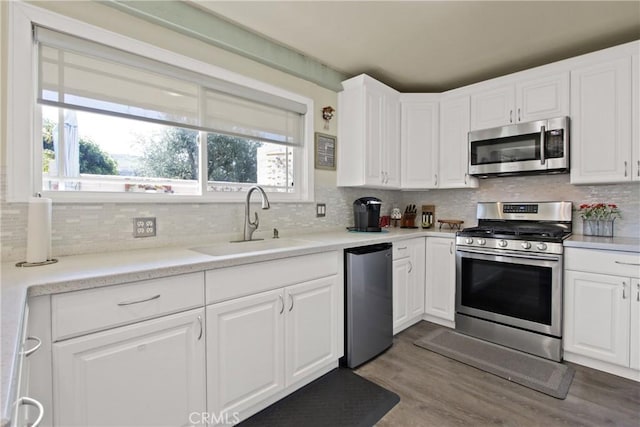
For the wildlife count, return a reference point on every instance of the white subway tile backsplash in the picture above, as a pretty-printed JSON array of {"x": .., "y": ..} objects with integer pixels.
[{"x": 91, "y": 228}]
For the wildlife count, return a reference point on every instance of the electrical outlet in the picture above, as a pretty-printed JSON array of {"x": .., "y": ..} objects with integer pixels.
[
  {"x": 144, "y": 227},
  {"x": 321, "y": 210}
]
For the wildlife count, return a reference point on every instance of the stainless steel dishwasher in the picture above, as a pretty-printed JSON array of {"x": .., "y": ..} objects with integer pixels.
[{"x": 368, "y": 303}]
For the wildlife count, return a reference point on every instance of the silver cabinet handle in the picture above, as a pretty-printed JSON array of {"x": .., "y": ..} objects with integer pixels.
[
  {"x": 624, "y": 289},
  {"x": 519, "y": 118},
  {"x": 451, "y": 248},
  {"x": 543, "y": 135},
  {"x": 465, "y": 178},
  {"x": 282, "y": 304},
  {"x": 625, "y": 168},
  {"x": 638, "y": 294},
  {"x": 201, "y": 330},
  {"x": 626, "y": 263},
  {"x": 32, "y": 402},
  {"x": 139, "y": 301},
  {"x": 510, "y": 116},
  {"x": 401, "y": 248},
  {"x": 291, "y": 298},
  {"x": 33, "y": 349},
  {"x": 638, "y": 168},
  {"x": 410, "y": 267},
  {"x": 436, "y": 183}
]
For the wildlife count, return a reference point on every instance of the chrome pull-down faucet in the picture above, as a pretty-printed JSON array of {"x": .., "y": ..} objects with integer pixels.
[{"x": 251, "y": 226}]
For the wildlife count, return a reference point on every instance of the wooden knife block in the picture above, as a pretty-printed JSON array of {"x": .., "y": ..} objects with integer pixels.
[{"x": 408, "y": 220}]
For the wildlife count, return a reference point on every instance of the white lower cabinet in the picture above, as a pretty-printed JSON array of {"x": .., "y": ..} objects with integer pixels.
[
  {"x": 148, "y": 373},
  {"x": 259, "y": 345},
  {"x": 408, "y": 283},
  {"x": 245, "y": 352},
  {"x": 602, "y": 310},
  {"x": 597, "y": 317},
  {"x": 440, "y": 281}
]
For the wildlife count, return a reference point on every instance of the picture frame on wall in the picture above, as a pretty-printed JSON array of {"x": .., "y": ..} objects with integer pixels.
[{"x": 325, "y": 151}]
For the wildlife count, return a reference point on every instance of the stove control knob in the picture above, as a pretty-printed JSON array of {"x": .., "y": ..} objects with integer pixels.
[
  {"x": 482, "y": 242},
  {"x": 502, "y": 243},
  {"x": 526, "y": 245},
  {"x": 468, "y": 240},
  {"x": 541, "y": 246}
]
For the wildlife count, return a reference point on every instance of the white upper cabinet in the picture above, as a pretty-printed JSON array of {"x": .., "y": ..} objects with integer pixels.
[
  {"x": 533, "y": 97},
  {"x": 601, "y": 122},
  {"x": 453, "y": 153},
  {"x": 368, "y": 134},
  {"x": 434, "y": 142},
  {"x": 492, "y": 107},
  {"x": 419, "y": 141},
  {"x": 542, "y": 97}
]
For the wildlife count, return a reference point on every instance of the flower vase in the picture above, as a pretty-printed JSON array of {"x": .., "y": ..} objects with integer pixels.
[
  {"x": 590, "y": 227},
  {"x": 605, "y": 227}
]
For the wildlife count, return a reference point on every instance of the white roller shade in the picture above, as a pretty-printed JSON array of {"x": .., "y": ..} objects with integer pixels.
[{"x": 79, "y": 74}]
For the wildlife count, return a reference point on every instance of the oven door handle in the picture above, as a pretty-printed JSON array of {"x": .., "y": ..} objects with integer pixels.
[
  {"x": 543, "y": 143},
  {"x": 533, "y": 256}
]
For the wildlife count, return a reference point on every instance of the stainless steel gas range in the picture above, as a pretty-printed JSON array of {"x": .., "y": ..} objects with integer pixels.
[{"x": 509, "y": 275}]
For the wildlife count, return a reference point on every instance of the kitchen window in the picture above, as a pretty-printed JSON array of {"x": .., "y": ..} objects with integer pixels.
[{"x": 115, "y": 124}]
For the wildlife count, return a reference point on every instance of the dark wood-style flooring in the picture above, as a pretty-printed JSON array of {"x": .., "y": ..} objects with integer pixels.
[{"x": 437, "y": 391}]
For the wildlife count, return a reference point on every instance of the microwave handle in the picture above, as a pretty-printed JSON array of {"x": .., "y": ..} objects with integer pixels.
[{"x": 543, "y": 134}]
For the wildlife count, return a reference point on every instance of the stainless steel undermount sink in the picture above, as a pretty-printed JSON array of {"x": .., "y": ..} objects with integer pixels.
[{"x": 234, "y": 248}]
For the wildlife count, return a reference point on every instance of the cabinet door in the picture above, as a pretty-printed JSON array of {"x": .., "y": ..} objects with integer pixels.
[
  {"x": 542, "y": 98},
  {"x": 244, "y": 352},
  {"x": 493, "y": 107},
  {"x": 453, "y": 151},
  {"x": 148, "y": 373},
  {"x": 375, "y": 110},
  {"x": 440, "y": 278},
  {"x": 419, "y": 138},
  {"x": 415, "y": 300},
  {"x": 596, "y": 322},
  {"x": 311, "y": 329},
  {"x": 401, "y": 269},
  {"x": 391, "y": 141},
  {"x": 601, "y": 122},
  {"x": 635, "y": 324}
]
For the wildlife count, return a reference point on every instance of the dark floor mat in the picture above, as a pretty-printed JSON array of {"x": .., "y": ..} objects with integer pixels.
[
  {"x": 531, "y": 371},
  {"x": 340, "y": 398}
]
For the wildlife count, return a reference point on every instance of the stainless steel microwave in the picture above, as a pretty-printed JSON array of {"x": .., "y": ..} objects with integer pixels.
[{"x": 526, "y": 148}]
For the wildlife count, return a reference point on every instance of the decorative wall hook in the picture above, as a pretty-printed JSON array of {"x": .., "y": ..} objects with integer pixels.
[{"x": 327, "y": 114}]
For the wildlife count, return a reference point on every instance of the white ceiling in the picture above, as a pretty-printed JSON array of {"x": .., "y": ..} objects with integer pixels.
[{"x": 431, "y": 46}]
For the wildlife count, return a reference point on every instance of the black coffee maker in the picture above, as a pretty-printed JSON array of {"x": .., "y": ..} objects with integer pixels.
[{"x": 366, "y": 214}]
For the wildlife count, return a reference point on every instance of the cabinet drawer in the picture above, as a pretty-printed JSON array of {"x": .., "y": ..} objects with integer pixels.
[
  {"x": 233, "y": 282},
  {"x": 603, "y": 262},
  {"x": 402, "y": 249},
  {"x": 77, "y": 313}
]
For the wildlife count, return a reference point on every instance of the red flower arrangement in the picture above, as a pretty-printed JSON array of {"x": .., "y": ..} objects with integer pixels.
[{"x": 606, "y": 211}]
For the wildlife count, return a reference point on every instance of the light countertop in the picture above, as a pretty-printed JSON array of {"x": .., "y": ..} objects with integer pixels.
[
  {"x": 79, "y": 272},
  {"x": 626, "y": 244}
]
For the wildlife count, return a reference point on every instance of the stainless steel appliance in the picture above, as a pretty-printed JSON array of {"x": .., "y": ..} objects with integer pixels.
[
  {"x": 525, "y": 148},
  {"x": 368, "y": 303},
  {"x": 509, "y": 275},
  {"x": 366, "y": 214}
]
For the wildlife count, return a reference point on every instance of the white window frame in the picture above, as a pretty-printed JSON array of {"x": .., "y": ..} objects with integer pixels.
[{"x": 24, "y": 158}]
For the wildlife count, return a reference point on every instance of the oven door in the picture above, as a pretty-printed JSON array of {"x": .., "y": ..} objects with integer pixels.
[{"x": 514, "y": 289}]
